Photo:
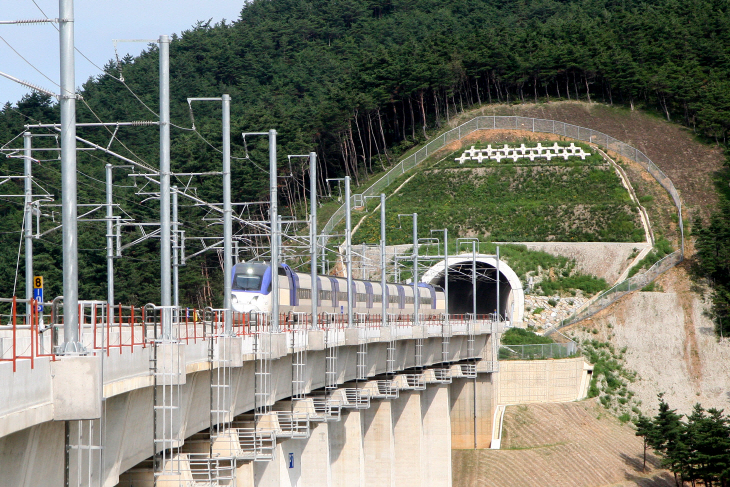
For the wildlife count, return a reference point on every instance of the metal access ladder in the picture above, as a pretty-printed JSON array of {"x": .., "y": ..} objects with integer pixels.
[
  {"x": 330, "y": 372},
  {"x": 83, "y": 453},
  {"x": 299, "y": 363},
  {"x": 262, "y": 372},
  {"x": 220, "y": 354},
  {"x": 362, "y": 348},
  {"x": 166, "y": 369}
]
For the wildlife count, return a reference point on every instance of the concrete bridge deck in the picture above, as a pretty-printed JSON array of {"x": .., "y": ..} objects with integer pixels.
[{"x": 101, "y": 414}]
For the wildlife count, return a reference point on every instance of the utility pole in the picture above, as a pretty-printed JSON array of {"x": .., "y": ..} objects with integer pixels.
[
  {"x": 28, "y": 214},
  {"x": 416, "y": 291},
  {"x": 71, "y": 343},
  {"x": 175, "y": 251},
  {"x": 474, "y": 278},
  {"x": 109, "y": 244},
  {"x": 383, "y": 285},
  {"x": 446, "y": 271},
  {"x": 165, "y": 265},
  {"x": 227, "y": 220},
  {"x": 274, "y": 225},
  {"x": 273, "y": 215},
  {"x": 348, "y": 250},
  {"x": 499, "y": 318},
  {"x": 225, "y": 99},
  {"x": 416, "y": 294},
  {"x": 313, "y": 234}
]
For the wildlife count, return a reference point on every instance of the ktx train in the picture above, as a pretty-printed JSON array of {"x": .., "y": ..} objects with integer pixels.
[{"x": 251, "y": 289}]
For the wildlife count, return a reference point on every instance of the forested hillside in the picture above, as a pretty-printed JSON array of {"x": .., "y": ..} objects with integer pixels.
[{"x": 360, "y": 83}]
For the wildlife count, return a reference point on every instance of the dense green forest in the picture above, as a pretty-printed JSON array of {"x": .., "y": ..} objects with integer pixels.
[
  {"x": 360, "y": 83},
  {"x": 713, "y": 261}
]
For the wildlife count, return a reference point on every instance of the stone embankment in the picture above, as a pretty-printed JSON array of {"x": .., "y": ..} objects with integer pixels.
[{"x": 543, "y": 312}]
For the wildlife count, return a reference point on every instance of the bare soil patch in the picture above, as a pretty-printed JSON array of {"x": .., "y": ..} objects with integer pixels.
[
  {"x": 661, "y": 210},
  {"x": 572, "y": 444},
  {"x": 497, "y": 136}
]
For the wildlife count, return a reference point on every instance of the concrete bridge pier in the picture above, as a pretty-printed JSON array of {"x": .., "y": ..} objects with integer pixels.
[
  {"x": 378, "y": 445},
  {"x": 346, "y": 450},
  {"x": 471, "y": 405},
  {"x": 298, "y": 462},
  {"x": 436, "y": 458},
  {"x": 408, "y": 436}
]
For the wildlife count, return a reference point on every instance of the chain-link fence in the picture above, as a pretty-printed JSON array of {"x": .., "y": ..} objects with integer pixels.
[
  {"x": 600, "y": 139},
  {"x": 622, "y": 288},
  {"x": 540, "y": 351},
  {"x": 512, "y": 123}
]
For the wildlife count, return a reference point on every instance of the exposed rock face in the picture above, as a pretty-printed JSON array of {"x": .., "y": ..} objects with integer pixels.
[{"x": 548, "y": 314}]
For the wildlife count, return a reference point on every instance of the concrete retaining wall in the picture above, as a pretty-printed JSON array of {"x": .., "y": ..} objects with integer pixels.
[{"x": 535, "y": 381}]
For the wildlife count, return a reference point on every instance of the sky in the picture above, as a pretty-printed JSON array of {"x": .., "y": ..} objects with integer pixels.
[{"x": 97, "y": 24}]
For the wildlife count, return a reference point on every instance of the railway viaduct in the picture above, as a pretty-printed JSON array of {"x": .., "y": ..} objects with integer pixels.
[{"x": 306, "y": 404}]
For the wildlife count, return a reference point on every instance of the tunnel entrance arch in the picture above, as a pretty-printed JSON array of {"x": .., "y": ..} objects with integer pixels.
[{"x": 512, "y": 297}]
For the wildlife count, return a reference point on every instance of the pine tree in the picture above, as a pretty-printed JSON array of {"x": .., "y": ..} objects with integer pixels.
[
  {"x": 666, "y": 440},
  {"x": 644, "y": 428}
]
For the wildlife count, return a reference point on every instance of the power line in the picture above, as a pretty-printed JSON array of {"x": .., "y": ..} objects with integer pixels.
[
  {"x": 28, "y": 62},
  {"x": 139, "y": 159},
  {"x": 75, "y": 48}
]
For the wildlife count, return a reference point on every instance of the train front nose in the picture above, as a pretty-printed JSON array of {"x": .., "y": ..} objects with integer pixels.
[{"x": 246, "y": 302}]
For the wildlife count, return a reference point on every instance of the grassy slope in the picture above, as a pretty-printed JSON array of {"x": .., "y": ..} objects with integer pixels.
[{"x": 523, "y": 201}]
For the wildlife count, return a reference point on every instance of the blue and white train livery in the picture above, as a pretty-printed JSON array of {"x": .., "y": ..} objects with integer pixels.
[{"x": 251, "y": 289}]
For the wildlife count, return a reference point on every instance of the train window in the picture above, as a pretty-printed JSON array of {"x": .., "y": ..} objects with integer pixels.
[
  {"x": 325, "y": 295},
  {"x": 248, "y": 277},
  {"x": 378, "y": 298},
  {"x": 304, "y": 293}
]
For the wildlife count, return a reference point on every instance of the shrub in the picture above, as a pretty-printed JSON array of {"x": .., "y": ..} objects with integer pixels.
[
  {"x": 588, "y": 284},
  {"x": 662, "y": 248},
  {"x": 519, "y": 336}
]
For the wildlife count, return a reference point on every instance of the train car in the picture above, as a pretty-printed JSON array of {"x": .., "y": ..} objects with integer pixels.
[{"x": 251, "y": 291}]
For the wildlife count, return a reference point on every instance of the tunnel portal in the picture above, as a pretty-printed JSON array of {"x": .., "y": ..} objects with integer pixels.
[{"x": 511, "y": 296}]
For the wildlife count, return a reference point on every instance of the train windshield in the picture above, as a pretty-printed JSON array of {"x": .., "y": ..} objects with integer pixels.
[{"x": 248, "y": 277}]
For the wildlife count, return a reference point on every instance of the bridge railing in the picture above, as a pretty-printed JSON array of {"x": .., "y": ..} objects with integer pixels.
[
  {"x": 20, "y": 336},
  {"x": 125, "y": 329},
  {"x": 633, "y": 283}
]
